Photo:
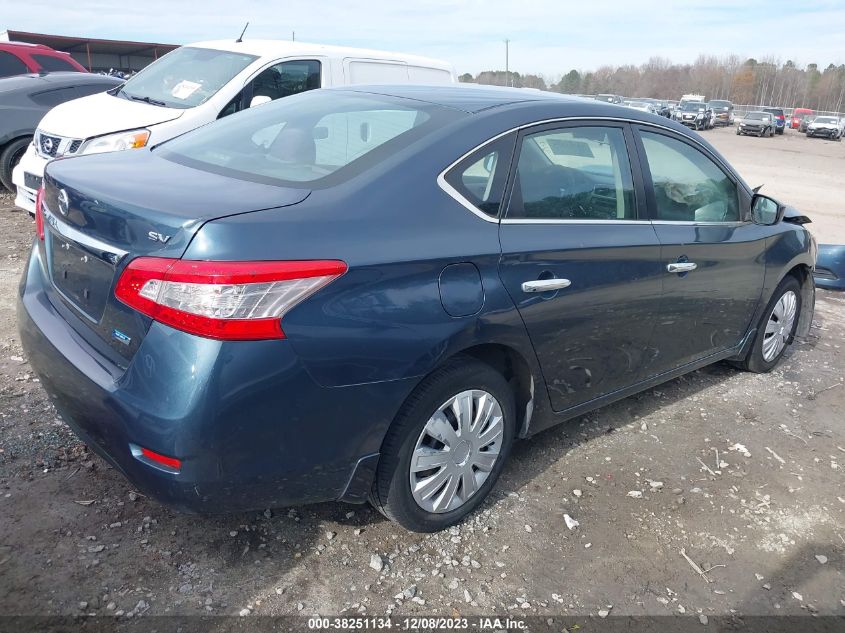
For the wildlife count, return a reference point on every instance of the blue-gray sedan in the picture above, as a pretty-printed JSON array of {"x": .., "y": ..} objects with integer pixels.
[{"x": 369, "y": 293}]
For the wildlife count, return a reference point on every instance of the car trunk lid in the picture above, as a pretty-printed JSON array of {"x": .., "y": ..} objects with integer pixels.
[{"x": 102, "y": 211}]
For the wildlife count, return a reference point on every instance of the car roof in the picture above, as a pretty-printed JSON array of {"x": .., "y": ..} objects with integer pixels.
[
  {"x": 285, "y": 48},
  {"x": 27, "y": 46},
  {"x": 466, "y": 97},
  {"x": 526, "y": 106},
  {"x": 32, "y": 82}
]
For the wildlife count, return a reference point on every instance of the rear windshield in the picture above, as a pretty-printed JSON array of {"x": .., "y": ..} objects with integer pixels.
[
  {"x": 49, "y": 63},
  {"x": 186, "y": 77},
  {"x": 775, "y": 111},
  {"x": 319, "y": 137}
]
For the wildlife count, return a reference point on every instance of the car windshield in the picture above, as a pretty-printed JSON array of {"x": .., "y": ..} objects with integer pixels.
[
  {"x": 320, "y": 137},
  {"x": 692, "y": 106},
  {"x": 608, "y": 98},
  {"x": 757, "y": 116},
  {"x": 186, "y": 78},
  {"x": 826, "y": 119},
  {"x": 720, "y": 104}
]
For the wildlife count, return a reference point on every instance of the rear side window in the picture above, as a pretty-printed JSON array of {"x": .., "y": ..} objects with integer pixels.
[
  {"x": 54, "y": 64},
  {"x": 367, "y": 72},
  {"x": 574, "y": 173},
  {"x": 11, "y": 65},
  {"x": 86, "y": 90},
  {"x": 688, "y": 186},
  {"x": 50, "y": 98},
  {"x": 315, "y": 138},
  {"x": 480, "y": 178}
]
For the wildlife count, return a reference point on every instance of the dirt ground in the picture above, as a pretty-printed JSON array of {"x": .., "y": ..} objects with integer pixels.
[{"x": 741, "y": 473}]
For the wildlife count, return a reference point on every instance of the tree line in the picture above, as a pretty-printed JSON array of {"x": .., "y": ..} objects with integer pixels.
[{"x": 764, "y": 82}]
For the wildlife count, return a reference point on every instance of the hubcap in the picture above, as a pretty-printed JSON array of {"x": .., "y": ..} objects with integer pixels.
[
  {"x": 456, "y": 451},
  {"x": 779, "y": 326}
]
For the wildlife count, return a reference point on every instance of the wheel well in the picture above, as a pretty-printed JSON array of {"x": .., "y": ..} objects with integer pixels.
[
  {"x": 801, "y": 272},
  {"x": 9, "y": 141},
  {"x": 513, "y": 366},
  {"x": 804, "y": 276}
]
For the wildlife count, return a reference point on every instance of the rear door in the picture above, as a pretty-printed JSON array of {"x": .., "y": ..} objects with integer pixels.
[
  {"x": 579, "y": 258},
  {"x": 712, "y": 255}
]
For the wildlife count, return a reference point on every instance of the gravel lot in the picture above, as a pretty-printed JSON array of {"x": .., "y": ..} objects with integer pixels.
[{"x": 741, "y": 473}]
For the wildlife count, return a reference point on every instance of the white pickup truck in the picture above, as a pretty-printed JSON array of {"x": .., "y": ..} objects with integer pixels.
[{"x": 198, "y": 84}]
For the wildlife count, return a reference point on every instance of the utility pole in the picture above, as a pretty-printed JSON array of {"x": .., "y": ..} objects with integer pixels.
[
  {"x": 507, "y": 64},
  {"x": 293, "y": 36}
]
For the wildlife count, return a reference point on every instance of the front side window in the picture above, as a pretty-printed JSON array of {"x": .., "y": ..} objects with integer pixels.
[
  {"x": 50, "y": 64},
  {"x": 186, "y": 77},
  {"x": 318, "y": 138},
  {"x": 574, "y": 173},
  {"x": 280, "y": 80},
  {"x": 480, "y": 178},
  {"x": 11, "y": 65},
  {"x": 287, "y": 78},
  {"x": 688, "y": 186}
]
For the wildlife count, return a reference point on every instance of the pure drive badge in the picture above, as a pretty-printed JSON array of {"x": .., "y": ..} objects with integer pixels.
[{"x": 120, "y": 336}]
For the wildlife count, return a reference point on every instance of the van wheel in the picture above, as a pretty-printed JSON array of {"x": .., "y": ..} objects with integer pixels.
[
  {"x": 776, "y": 329},
  {"x": 446, "y": 448},
  {"x": 10, "y": 157}
]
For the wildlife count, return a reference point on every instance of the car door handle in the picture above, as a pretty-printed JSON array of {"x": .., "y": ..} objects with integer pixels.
[
  {"x": 681, "y": 267},
  {"x": 545, "y": 285}
]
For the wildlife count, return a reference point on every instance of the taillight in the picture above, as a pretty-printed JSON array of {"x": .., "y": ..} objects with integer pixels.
[
  {"x": 39, "y": 214},
  {"x": 222, "y": 300}
]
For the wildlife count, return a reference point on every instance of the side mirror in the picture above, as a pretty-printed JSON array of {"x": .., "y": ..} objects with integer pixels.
[
  {"x": 766, "y": 211},
  {"x": 259, "y": 100}
]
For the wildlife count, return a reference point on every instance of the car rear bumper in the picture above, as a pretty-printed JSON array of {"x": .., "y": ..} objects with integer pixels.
[{"x": 251, "y": 427}]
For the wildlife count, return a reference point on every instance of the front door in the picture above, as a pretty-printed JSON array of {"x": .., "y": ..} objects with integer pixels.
[
  {"x": 711, "y": 253},
  {"x": 579, "y": 259}
]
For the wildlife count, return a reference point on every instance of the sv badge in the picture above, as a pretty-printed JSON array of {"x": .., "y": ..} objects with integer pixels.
[{"x": 158, "y": 237}]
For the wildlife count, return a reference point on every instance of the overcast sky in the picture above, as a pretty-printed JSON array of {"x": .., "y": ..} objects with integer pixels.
[{"x": 547, "y": 36}]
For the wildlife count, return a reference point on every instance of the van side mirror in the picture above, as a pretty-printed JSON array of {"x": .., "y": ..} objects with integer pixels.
[
  {"x": 259, "y": 100},
  {"x": 766, "y": 211}
]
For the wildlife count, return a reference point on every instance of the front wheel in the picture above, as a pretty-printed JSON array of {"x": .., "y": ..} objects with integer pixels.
[
  {"x": 9, "y": 158},
  {"x": 446, "y": 448},
  {"x": 776, "y": 329}
]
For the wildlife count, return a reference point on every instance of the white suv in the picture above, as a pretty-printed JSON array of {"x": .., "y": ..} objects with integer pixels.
[{"x": 199, "y": 83}]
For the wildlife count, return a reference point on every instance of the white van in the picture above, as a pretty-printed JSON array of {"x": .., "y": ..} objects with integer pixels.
[{"x": 199, "y": 83}]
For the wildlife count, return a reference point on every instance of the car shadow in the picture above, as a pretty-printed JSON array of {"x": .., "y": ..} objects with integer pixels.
[{"x": 785, "y": 599}]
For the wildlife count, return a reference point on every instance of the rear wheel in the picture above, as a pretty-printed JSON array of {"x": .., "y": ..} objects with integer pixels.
[
  {"x": 776, "y": 329},
  {"x": 9, "y": 158},
  {"x": 446, "y": 448}
]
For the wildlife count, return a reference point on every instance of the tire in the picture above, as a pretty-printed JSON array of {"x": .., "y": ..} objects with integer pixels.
[
  {"x": 738, "y": 133},
  {"x": 10, "y": 156},
  {"x": 757, "y": 361},
  {"x": 391, "y": 493}
]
